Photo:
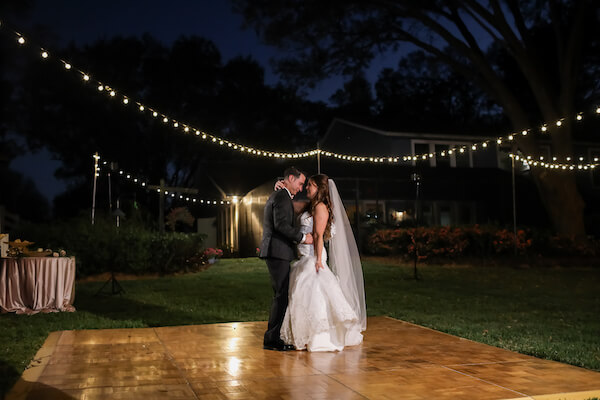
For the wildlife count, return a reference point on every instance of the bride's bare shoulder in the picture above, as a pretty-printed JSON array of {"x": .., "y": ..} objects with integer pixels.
[{"x": 321, "y": 208}]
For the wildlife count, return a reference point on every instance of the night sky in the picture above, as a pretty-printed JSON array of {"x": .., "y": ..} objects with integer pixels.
[{"x": 86, "y": 21}]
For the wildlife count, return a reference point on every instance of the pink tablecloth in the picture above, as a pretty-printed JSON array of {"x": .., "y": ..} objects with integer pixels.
[{"x": 30, "y": 285}]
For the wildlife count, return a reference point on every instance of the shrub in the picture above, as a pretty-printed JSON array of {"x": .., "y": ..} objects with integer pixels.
[
  {"x": 131, "y": 248},
  {"x": 453, "y": 242}
]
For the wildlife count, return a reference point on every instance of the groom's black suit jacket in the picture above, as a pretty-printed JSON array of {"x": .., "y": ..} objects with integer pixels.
[{"x": 280, "y": 233}]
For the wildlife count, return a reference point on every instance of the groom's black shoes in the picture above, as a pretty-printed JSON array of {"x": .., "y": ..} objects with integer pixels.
[{"x": 279, "y": 347}]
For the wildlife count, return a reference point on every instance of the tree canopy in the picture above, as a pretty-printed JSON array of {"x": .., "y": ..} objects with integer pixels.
[{"x": 527, "y": 56}]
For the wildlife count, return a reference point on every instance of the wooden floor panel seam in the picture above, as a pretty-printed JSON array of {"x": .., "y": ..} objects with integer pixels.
[
  {"x": 488, "y": 382},
  {"x": 175, "y": 363}
]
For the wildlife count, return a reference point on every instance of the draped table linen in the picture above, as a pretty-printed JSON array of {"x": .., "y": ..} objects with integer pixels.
[{"x": 29, "y": 285}]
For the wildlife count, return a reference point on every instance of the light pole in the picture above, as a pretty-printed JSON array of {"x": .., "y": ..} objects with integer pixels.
[{"x": 416, "y": 178}]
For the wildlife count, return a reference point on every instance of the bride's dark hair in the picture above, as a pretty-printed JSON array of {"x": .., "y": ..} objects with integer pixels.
[{"x": 322, "y": 196}]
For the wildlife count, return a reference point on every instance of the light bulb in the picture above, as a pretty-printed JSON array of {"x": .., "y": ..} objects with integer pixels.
[
  {"x": 21, "y": 40},
  {"x": 100, "y": 88},
  {"x": 155, "y": 114},
  {"x": 125, "y": 100},
  {"x": 141, "y": 108},
  {"x": 558, "y": 123},
  {"x": 44, "y": 54},
  {"x": 67, "y": 66},
  {"x": 86, "y": 77}
]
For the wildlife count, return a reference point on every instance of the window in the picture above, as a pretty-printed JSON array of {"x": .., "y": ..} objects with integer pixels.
[
  {"x": 462, "y": 159},
  {"x": 445, "y": 215},
  {"x": 456, "y": 159},
  {"x": 442, "y": 161},
  {"x": 420, "y": 149}
]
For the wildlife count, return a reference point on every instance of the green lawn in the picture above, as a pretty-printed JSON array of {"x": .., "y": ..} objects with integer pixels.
[{"x": 552, "y": 313}]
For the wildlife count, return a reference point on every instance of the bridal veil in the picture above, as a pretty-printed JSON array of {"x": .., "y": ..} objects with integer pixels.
[{"x": 344, "y": 259}]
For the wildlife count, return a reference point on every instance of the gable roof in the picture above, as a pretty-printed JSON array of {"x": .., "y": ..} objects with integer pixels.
[{"x": 347, "y": 136}]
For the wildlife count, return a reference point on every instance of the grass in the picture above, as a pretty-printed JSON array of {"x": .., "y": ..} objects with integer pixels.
[{"x": 550, "y": 313}]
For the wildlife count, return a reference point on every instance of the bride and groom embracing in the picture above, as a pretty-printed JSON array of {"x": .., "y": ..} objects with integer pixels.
[{"x": 319, "y": 301}]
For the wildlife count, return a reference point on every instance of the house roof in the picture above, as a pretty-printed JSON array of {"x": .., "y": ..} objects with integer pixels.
[{"x": 351, "y": 137}]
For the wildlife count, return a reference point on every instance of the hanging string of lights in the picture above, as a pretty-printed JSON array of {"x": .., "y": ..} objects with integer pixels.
[
  {"x": 186, "y": 128},
  {"x": 527, "y": 160},
  {"x": 510, "y": 138},
  {"x": 100, "y": 164}
]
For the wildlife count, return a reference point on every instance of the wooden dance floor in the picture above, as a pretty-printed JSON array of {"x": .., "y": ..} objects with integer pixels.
[{"x": 397, "y": 360}]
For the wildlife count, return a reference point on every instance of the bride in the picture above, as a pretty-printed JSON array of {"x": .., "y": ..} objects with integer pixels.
[{"x": 326, "y": 309}]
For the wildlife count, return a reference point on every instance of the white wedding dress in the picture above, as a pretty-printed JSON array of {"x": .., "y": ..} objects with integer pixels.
[{"x": 318, "y": 317}]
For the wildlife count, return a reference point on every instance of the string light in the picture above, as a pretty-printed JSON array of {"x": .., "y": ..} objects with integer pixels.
[
  {"x": 282, "y": 155},
  {"x": 142, "y": 182},
  {"x": 561, "y": 166}
]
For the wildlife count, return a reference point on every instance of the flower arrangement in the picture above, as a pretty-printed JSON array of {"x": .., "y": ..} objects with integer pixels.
[
  {"x": 19, "y": 248},
  {"x": 213, "y": 253}
]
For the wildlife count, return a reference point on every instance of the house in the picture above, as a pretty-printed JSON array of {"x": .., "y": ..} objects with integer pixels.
[{"x": 462, "y": 188}]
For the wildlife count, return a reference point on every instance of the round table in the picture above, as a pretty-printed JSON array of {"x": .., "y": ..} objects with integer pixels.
[{"x": 29, "y": 285}]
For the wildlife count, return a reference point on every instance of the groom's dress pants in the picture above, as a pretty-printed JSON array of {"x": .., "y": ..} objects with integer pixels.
[{"x": 279, "y": 270}]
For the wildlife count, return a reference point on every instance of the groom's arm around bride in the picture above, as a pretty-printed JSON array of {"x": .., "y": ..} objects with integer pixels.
[{"x": 280, "y": 236}]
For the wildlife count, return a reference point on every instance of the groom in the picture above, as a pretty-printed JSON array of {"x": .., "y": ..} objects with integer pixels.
[{"x": 280, "y": 236}]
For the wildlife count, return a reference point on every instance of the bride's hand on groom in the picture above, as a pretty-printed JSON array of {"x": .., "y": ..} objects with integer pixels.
[{"x": 279, "y": 185}]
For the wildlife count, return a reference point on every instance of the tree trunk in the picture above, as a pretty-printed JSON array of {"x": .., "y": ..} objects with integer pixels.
[{"x": 561, "y": 199}]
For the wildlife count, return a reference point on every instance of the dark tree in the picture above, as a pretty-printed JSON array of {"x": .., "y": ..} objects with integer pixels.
[
  {"x": 355, "y": 101},
  {"x": 187, "y": 82},
  {"x": 549, "y": 41},
  {"x": 423, "y": 95}
]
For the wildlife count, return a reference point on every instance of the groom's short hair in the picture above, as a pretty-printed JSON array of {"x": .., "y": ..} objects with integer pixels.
[{"x": 292, "y": 171}]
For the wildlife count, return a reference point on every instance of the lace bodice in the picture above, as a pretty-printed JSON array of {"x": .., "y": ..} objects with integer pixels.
[{"x": 306, "y": 226}]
